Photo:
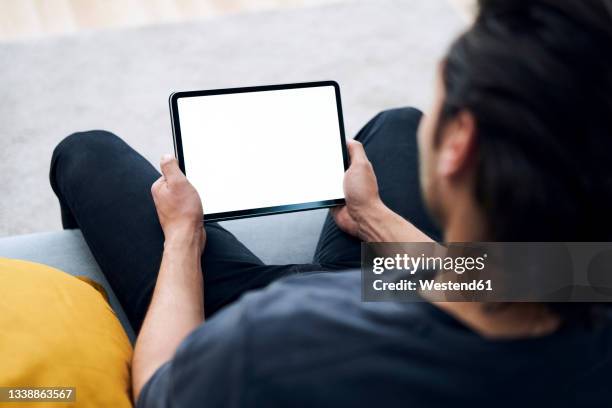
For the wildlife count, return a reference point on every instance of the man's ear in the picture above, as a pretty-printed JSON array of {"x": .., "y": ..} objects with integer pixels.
[{"x": 457, "y": 145}]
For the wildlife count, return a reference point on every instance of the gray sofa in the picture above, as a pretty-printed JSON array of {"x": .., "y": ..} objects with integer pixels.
[{"x": 283, "y": 238}]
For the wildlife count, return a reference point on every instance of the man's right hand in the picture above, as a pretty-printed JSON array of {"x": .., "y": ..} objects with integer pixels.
[
  {"x": 360, "y": 191},
  {"x": 365, "y": 215},
  {"x": 178, "y": 204}
]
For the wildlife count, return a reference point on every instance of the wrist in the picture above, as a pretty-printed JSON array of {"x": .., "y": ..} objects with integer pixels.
[
  {"x": 383, "y": 225},
  {"x": 373, "y": 221},
  {"x": 185, "y": 236}
]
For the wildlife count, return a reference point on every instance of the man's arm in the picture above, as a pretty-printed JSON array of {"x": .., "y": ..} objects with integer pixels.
[
  {"x": 364, "y": 215},
  {"x": 177, "y": 306}
]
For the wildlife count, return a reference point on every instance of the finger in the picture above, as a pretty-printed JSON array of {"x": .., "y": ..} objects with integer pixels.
[
  {"x": 170, "y": 169},
  {"x": 157, "y": 184},
  {"x": 356, "y": 152}
]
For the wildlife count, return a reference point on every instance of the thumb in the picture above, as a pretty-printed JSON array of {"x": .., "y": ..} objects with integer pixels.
[
  {"x": 356, "y": 151},
  {"x": 170, "y": 169}
]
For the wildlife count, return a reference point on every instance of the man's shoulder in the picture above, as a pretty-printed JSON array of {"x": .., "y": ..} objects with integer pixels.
[
  {"x": 315, "y": 324},
  {"x": 316, "y": 320},
  {"x": 300, "y": 293},
  {"x": 331, "y": 294},
  {"x": 310, "y": 298}
]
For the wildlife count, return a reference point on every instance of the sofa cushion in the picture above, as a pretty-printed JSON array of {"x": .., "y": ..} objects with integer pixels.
[
  {"x": 66, "y": 251},
  {"x": 59, "y": 331},
  {"x": 282, "y": 238}
]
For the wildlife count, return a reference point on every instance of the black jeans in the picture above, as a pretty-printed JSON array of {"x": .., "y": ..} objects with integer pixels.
[{"x": 103, "y": 187}]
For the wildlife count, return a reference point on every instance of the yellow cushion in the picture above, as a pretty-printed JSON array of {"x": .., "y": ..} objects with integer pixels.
[{"x": 58, "y": 331}]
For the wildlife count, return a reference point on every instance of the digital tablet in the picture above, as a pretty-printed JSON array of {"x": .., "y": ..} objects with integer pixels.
[{"x": 261, "y": 150}]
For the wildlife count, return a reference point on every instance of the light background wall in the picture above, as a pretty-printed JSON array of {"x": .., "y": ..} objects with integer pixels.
[{"x": 36, "y": 18}]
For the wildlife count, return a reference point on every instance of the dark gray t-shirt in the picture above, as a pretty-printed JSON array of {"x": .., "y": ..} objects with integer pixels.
[{"x": 309, "y": 341}]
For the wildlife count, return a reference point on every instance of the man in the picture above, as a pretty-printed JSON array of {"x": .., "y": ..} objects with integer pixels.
[{"x": 515, "y": 149}]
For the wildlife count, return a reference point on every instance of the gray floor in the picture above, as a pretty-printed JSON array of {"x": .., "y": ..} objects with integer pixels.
[{"x": 382, "y": 52}]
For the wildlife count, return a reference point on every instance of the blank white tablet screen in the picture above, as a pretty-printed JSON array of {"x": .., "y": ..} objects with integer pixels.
[{"x": 252, "y": 150}]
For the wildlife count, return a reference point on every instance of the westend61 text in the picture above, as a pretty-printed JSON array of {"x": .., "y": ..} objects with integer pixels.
[{"x": 433, "y": 285}]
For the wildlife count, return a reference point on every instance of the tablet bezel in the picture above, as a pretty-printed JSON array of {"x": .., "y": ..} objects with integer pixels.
[{"x": 230, "y": 215}]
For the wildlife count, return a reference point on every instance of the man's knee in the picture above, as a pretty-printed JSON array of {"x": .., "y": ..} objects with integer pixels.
[
  {"x": 80, "y": 149},
  {"x": 406, "y": 117},
  {"x": 85, "y": 142},
  {"x": 390, "y": 126}
]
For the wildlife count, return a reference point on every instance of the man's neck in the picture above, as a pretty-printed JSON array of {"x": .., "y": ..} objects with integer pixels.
[
  {"x": 519, "y": 320},
  {"x": 465, "y": 223}
]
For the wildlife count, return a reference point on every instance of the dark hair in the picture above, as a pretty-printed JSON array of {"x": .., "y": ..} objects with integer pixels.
[{"x": 537, "y": 76}]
